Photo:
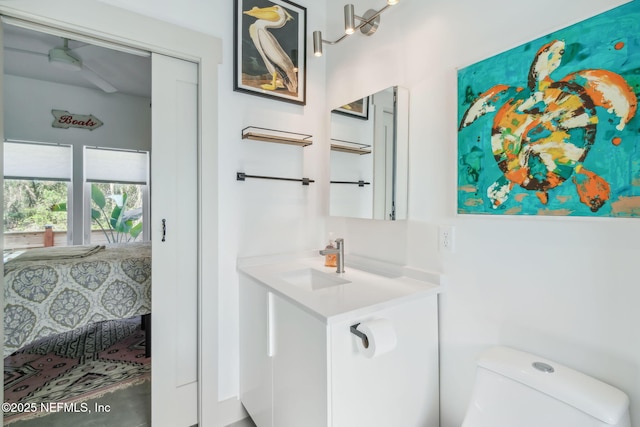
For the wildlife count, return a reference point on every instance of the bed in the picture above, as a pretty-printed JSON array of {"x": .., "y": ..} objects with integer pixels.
[{"x": 46, "y": 296}]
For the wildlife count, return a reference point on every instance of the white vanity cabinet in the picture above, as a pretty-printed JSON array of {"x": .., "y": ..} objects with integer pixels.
[
  {"x": 300, "y": 365},
  {"x": 283, "y": 360},
  {"x": 398, "y": 388}
]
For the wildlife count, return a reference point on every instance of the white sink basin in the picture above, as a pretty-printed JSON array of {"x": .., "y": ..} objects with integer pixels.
[
  {"x": 367, "y": 285},
  {"x": 312, "y": 279}
]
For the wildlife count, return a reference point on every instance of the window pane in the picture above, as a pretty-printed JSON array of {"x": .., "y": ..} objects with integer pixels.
[
  {"x": 29, "y": 206},
  {"x": 106, "y": 165},
  {"x": 116, "y": 212},
  {"x": 31, "y": 160}
]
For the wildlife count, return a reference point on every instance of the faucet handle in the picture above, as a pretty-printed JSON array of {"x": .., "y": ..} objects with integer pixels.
[{"x": 339, "y": 241}]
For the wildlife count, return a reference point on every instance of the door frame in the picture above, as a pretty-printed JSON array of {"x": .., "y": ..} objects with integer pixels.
[{"x": 94, "y": 19}]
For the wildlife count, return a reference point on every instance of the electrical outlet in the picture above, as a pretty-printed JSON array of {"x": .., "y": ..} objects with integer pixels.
[{"x": 447, "y": 243}]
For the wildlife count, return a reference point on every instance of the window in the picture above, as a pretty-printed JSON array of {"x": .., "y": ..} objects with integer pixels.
[
  {"x": 39, "y": 188},
  {"x": 27, "y": 205},
  {"x": 117, "y": 194},
  {"x": 37, "y": 177}
]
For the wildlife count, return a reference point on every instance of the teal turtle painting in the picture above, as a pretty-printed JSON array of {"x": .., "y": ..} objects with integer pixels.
[{"x": 551, "y": 127}]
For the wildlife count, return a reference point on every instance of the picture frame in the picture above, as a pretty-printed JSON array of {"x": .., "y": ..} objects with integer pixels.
[
  {"x": 550, "y": 127},
  {"x": 281, "y": 26},
  {"x": 358, "y": 109}
]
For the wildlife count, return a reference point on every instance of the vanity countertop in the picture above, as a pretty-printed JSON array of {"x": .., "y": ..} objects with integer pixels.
[{"x": 365, "y": 286}]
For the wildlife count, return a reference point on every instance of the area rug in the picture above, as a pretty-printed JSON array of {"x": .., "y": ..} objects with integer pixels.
[{"x": 73, "y": 367}]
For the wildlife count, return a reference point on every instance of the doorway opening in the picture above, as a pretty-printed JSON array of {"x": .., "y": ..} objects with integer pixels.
[{"x": 76, "y": 227}]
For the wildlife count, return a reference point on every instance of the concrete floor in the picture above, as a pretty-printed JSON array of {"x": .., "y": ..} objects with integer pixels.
[{"x": 130, "y": 407}]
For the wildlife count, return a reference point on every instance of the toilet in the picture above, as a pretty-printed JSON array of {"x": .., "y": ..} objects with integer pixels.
[{"x": 514, "y": 388}]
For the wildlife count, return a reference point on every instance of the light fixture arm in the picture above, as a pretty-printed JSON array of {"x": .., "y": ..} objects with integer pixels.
[
  {"x": 329, "y": 42},
  {"x": 369, "y": 20},
  {"x": 367, "y": 26}
]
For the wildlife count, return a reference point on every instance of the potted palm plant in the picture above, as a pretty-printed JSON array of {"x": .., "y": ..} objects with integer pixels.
[{"x": 120, "y": 225}]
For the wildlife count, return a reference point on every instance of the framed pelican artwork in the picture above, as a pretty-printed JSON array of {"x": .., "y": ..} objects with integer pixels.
[
  {"x": 270, "y": 49},
  {"x": 358, "y": 108},
  {"x": 552, "y": 127}
]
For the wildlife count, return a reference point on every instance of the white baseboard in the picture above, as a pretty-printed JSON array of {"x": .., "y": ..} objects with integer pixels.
[{"x": 231, "y": 411}]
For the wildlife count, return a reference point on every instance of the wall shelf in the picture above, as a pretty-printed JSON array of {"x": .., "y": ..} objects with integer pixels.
[
  {"x": 277, "y": 136},
  {"x": 350, "y": 147}
]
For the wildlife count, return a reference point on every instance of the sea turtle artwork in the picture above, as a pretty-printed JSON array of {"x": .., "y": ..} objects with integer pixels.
[{"x": 542, "y": 133}]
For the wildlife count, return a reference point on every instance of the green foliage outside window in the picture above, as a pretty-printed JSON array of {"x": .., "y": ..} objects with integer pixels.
[
  {"x": 120, "y": 225},
  {"x": 26, "y": 205},
  {"x": 111, "y": 214}
]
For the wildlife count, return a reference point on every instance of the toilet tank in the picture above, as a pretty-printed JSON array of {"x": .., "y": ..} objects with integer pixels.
[{"x": 514, "y": 388}]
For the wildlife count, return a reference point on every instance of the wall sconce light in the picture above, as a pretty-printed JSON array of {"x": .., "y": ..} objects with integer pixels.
[{"x": 368, "y": 25}]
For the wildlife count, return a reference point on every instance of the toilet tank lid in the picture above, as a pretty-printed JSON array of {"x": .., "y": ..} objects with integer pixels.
[{"x": 589, "y": 395}]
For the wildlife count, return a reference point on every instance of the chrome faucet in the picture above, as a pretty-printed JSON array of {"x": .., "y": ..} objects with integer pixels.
[{"x": 339, "y": 252}]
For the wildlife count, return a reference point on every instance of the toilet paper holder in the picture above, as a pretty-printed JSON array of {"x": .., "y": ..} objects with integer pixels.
[{"x": 363, "y": 337}]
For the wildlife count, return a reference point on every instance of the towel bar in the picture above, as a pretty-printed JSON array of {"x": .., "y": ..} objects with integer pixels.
[{"x": 241, "y": 176}]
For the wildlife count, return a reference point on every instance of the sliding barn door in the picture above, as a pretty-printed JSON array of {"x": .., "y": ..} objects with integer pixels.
[
  {"x": 174, "y": 230},
  {"x": 2, "y": 192}
]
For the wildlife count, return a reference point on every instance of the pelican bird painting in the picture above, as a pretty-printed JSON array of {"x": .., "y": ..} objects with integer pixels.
[{"x": 283, "y": 72}]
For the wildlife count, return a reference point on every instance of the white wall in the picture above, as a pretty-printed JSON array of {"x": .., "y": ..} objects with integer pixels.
[
  {"x": 127, "y": 119},
  {"x": 257, "y": 217},
  {"x": 27, "y": 109},
  {"x": 566, "y": 291},
  {"x": 563, "y": 288}
]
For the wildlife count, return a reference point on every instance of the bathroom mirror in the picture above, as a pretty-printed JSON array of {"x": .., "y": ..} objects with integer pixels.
[{"x": 370, "y": 156}]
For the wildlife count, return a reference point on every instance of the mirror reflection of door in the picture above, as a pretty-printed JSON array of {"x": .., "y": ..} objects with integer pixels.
[
  {"x": 389, "y": 156},
  {"x": 384, "y": 155}
]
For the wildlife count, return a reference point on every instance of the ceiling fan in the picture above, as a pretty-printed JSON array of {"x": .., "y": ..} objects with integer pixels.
[
  {"x": 65, "y": 58},
  {"x": 61, "y": 58}
]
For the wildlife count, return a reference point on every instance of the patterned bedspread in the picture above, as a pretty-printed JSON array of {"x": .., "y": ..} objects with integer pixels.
[{"x": 49, "y": 297}]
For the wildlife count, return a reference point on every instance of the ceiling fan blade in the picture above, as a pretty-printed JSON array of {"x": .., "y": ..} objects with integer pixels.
[
  {"x": 24, "y": 51},
  {"x": 41, "y": 60},
  {"x": 98, "y": 81}
]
